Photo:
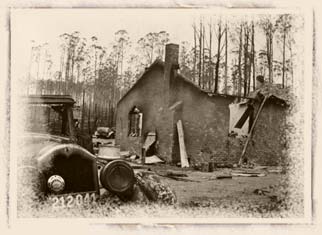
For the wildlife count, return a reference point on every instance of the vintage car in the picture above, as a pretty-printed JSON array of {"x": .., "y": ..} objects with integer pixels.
[
  {"x": 104, "y": 133},
  {"x": 57, "y": 159}
]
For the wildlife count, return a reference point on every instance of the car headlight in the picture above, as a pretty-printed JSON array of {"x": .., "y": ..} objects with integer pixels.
[{"x": 56, "y": 183}]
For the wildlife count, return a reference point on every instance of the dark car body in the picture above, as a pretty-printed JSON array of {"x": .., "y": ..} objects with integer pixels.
[{"x": 61, "y": 158}]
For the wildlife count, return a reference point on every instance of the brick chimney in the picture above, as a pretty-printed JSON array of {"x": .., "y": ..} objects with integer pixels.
[{"x": 171, "y": 65}]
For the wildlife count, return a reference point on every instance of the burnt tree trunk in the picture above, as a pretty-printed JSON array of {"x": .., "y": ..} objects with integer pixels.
[
  {"x": 60, "y": 83},
  {"x": 210, "y": 78},
  {"x": 239, "y": 61},
  {"x": 200, "y": 54},
  {"x": 203, "y": 57},
  {"x": 89, "y": 114},
  {"x": 218, "y": 59},
  {"x": 269, "y": 52},
  {"x": 246, "y": 35},
  {"x": 283, "y": 68},
  {"x": 67, "y": 69},
  {"x": 226, "y": 59},
  {"x": 253, "y": 56},
  {"x": 194, "y": 52}
]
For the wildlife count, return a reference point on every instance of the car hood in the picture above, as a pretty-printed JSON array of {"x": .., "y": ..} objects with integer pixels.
[
  {"x": 40, "y": 137},
  {"x": 34, "y": 143}
]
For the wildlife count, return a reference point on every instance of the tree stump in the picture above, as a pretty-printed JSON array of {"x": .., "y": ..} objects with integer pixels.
[{"x": 153, "y": 189}]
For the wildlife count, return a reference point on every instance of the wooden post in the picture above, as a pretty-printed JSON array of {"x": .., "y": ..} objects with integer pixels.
[
  {"x": 252, "y": 129},
  {"x": 183, "y": 153}
]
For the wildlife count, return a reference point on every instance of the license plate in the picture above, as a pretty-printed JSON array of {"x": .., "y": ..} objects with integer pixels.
[{"x": 73, "y": 200}]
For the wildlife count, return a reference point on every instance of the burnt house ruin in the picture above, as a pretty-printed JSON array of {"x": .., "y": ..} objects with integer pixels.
[{"x": 215, "y": 127}]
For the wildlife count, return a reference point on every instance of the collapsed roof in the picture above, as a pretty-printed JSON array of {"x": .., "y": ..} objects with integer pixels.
[{"x": 273, "y": 91}]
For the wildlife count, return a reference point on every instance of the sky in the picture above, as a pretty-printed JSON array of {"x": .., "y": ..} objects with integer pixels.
[{"x": 45, "y": 26}]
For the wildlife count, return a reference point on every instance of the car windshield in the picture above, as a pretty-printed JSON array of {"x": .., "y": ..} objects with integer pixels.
[{"x": 47, "y": 118}]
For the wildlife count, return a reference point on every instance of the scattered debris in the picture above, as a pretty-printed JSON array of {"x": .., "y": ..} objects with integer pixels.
[
  {"x": 125, "y": 154},
  {"x": 261, "y": 191},
  {"x": 109, "y": 153},
  {"x": 137, "y": 166},
  {"x": 204, "y": 167},
  {"x": 224, "y": 165},
  {"x": 153, "y": 160},
  {"x": 179, "y": 179},
  {"x": 223, "y": 177},
  {"x": 248, "y": 165},
  {"x": 211, "y": 166},
  {"x": 96, "y": 144},
  {"x": 275, "y": 170},
  {"x": 176, "y": 174},
  {"x": 212, "y": 178},
  {"x": 196, "y": 166},
  {"x": 109, "y": 143},
  {"x": 108, "y": 158},
  {"x": 134, "y": 157},
  {"x": 248, "y": 174}
]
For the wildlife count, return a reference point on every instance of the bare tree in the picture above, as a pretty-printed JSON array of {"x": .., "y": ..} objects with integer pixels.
[
  {"x": 283, "y": 25},
  {"x": 200, "y": 54},
  {"x": 246, "y": 43},
  {"x": 226, "y": 58},
  {"x": 210, "y": 67},
  {"x": 269, "y": 29},
  {"x": 220, "y": 33},
  {"x": 32, "y": 55},
  {"x": 253, "y": 55},
  {"x": 122, "y": 43},
  {"x": 194, "y": 51},
  {"x": 203, "y": 56},
  {"x": 239, "y": 60}
]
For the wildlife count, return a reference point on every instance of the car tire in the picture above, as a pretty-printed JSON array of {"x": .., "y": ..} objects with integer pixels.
[{"x": 118, "y": 177}]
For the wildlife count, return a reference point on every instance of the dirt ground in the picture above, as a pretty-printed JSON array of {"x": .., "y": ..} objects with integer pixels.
[
  {"x": 198, "y": 187},
  {"x": 204, "y": 186},
  {"x": 199, "y": 194}
]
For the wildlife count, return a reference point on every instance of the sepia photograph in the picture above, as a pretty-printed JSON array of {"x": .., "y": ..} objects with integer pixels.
[{"x": 189, "y": 115}]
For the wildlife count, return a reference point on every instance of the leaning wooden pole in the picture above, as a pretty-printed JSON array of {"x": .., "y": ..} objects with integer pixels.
[{"x": 252, "y": 129}]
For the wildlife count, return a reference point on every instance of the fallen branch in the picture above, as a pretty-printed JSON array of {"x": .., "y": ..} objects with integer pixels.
[
  {"x": 176, "y": 178},
  {"x": 175, "y": 174},
  {"x": 248, "y": 174},
  {"x": 224, "y": 177}
]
